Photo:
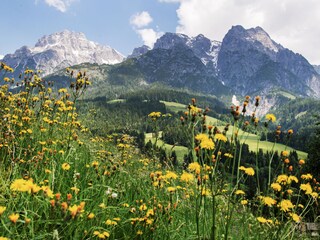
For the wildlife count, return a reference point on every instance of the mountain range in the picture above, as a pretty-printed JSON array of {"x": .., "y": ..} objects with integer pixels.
[
  {"x": 60, "y": 50},
  {"x": 247, "y": 61}
]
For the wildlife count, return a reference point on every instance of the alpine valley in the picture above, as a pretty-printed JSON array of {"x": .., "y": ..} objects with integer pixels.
[{"x": 246, "y": 62}]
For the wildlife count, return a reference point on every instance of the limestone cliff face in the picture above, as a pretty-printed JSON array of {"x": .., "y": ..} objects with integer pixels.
[{"x": 60, "y": 50}]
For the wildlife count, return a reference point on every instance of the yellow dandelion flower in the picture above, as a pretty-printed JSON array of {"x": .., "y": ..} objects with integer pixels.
[
  {"x": 75, "y": 189},
  {"x": 14, "y": 217},
  {"x": 285, "y": 205},
  {"x": 268, "y": 201},
  {"x": 194, "y": 167},
  {"x": 201, "y": 136},
  {"x": 244, "y": 202},
  {"x": 285, "y": 153},
  {"x": 292, "y": 178},
  {"x": 240, "y": 192},
  {"x": 249, "y": 171},
  {"x": 2, "y": 209},
  {"x": 171, "y": 175},
  {"x": 4, "y": 238},
  {"x": 229, "y": 155},
  {"x": 207, "y": 144},
  {"x": 315, "y": 195},
  {"x": 186, "y": 177},
  {"x": 295, "y": 217},
  {"x": 171, "y": 189},
  {"x": 261, "y": 219},
  {"x": 306, "y": 187},
  {"x": 220, "y": 137},
  {"x": 271, "y": 117},
  {"x": 282, "y": 179},
  {"x": 73, "y": 210},
  {"x": 307, "y": 176},
  {"x": 276, "y": 187},
  {"x": 90, "y": 215},
  {"x": 66, "y": 166}
]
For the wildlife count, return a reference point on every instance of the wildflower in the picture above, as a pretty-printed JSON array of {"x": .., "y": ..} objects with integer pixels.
[
  {"x": 240, "y": 192},
  {"x": 244, "y": 202},
  {"x": 101, "y": 235},
  {"x": 171, "y": 189},
  {"x": 186, "y": 177},
  {"x": 292, "y": 178},
  {"x": 276, "y": 187},
  {"x": 249, "y": 171},
  {"x": 75, "y": 189},
  {"x": 64, "y": 206},
  {"x": 314, "y": 195},
  {"x": 14, "y": 217},
  {"x": 139, "y": 232},
  {"x": 69, "y": 196},
  {"x": 201, "y": 136},
  {"x": 102, "y": 205},
  {"x": 2, "y": 209},
  {"x": 66, "y": 166},
  {"x": 154, "y": 115},
  {"x": 114, "y": 195},
  {"x": 90, "y": 215},
  {"x": 285, "y": 205},
  {"x": 73, "y": 210},
  {"x": 220, "y": 137},
  {"x": 271, "y": 117},
  {"x": 228, "y": 155},
  {"x": 290, "y": 131},
  {"x": 171, "y": 175},
  {"x": 207, "y": 144},
  {"x": 194, "y": 167},
  {"x": 27, "y": 220},
  {"x": 62, "y": 90},
  {"x": 295, "y": 217},
  {"x": 4, "y": 238},
  {"x": 143, "y": 207},
  {"x": 282, "y": 179},
  {"x": 307, "y": 176},
  {"x": 306, "y": 187},
  {"x": 268, "y": 201},
  {"x": 301, "y": 162},
  {"x": 261, "y": 219},
  {"x": 285, "y": 153},
  {"x": 111, "y": 222}
]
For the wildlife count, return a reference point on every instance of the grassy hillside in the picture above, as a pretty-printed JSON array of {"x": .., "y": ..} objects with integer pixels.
[{"x": 251, "y": 139}]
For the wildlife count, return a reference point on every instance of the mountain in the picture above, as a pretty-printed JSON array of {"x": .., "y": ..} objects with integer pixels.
[
  {"x": 139, "y": 51},
  {"x": 317, "y": 68},
  {"x": 250, "y": 61},
  {"x": 60, "y": 50},
  {"x": 247, "y": 61}
]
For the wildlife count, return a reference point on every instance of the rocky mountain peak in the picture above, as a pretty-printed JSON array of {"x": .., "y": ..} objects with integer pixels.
[
  {"x": 139, "y": 51},
  {"x": 60, "y": 50}
]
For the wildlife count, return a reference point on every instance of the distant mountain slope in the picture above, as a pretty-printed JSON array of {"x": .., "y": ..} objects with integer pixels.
[
  {"x": 60, "y": 50},
  {"x": 317, "y": 68},
  {"x": 250, "y": 61}
]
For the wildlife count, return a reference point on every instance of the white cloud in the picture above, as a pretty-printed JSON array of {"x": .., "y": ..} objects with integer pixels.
[
  {"x": 142, "y": 19},
  {"x": 149, "y": 36},
  {"x": 61, "y": 5},
  {"x": 1, "y": 56},
  {"x": 292, "y": 23}
]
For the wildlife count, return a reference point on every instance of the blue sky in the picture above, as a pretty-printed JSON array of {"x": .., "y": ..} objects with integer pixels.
[{"x": 125, "y": 24}]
